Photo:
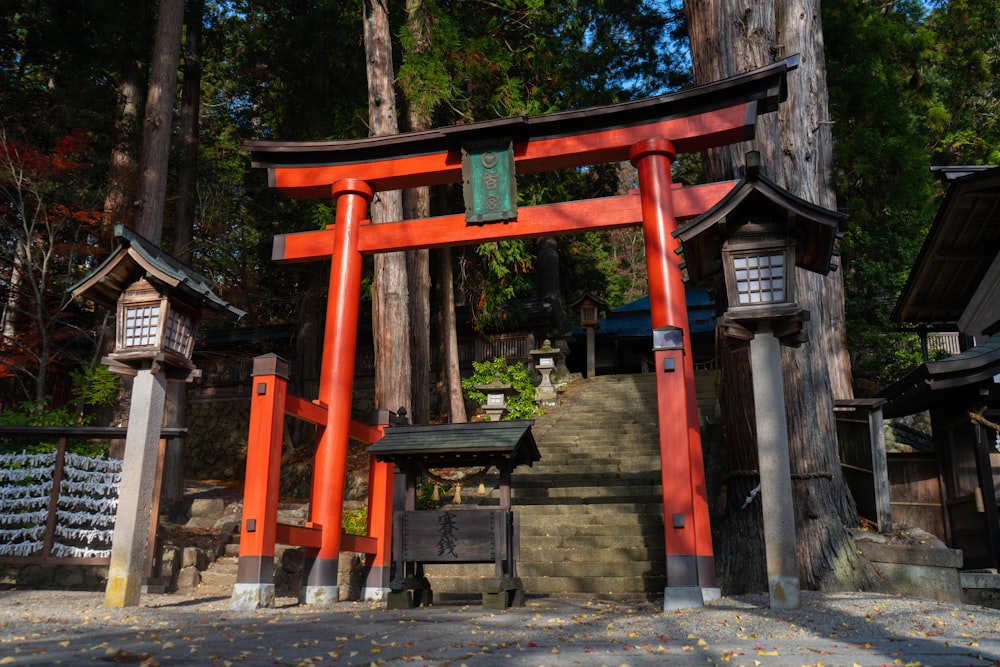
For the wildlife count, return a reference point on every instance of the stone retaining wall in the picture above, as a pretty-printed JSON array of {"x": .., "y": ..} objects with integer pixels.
[{"x": 216, "y": 442}]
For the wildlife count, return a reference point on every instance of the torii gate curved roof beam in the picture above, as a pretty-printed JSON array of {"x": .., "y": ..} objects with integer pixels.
[{"x": 701, "y": 117}]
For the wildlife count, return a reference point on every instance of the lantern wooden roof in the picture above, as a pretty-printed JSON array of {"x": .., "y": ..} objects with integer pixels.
[
  {"x": 458, "y": 445},
  {"x": 755, "y": 197},
  {"x": 136, "y": 258},
  {"x": 587, "y": 296}
]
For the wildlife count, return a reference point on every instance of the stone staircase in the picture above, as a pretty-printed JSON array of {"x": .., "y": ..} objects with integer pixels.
[{"x": 591, "y": 510}]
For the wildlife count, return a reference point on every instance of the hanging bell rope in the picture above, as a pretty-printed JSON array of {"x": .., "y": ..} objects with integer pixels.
[
  {"x": 469, "y": 478},
  {"x": 978, "y": 418}
]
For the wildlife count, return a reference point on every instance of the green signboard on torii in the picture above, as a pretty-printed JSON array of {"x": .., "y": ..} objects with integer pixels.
[{"x": 646, "y": 132}]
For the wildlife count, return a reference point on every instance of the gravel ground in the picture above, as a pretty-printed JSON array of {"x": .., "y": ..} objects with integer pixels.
[{"x": 55, "y": 627}]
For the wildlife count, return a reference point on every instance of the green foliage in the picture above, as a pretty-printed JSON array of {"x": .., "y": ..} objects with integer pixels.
[
  {"x": 520, "y": 404},
  {"x": 425, "y": 495},
  {"x": 355, "y": 521},
  {"x": 908, "y": 89},
  {"x": 38, "y": 413},
  {"x": 95, "y": 385}
]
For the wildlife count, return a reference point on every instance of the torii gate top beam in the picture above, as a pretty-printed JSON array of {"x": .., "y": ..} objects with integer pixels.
[{"x": 715, "y": 114}]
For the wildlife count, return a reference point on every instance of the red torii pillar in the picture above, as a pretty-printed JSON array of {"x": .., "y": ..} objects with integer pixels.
[
  {"x": 687, "y": 531},
  {"x": 319, "y": 577}
]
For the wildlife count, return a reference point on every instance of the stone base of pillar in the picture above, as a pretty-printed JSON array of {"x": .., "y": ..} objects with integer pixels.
[
  {"x": 248, "y": 597},
  {"x": 784, "y": 592},
  {"x": 374, "y": 593},
  {"x": 320, "y": 596},
  {"x": 687, "y": 597}
]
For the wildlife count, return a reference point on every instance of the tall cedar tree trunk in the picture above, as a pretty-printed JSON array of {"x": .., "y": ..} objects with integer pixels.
[
  {"x": 131, "y": 87},
  {"x": 157, "y": 124},
  {"x": 187, "y": 163},
  {"x": 417, "y": 205},
  {"x": 175, "y": 412},
  {"x": 450, "y": 394},
  {"x": 728, "y": 38},
  {"x": 549, "y": 289},
  {"x": 390, "y": 291}
]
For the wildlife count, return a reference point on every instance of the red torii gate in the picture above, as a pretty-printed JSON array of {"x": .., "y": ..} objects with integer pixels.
[{"x": 647, "y": 132}]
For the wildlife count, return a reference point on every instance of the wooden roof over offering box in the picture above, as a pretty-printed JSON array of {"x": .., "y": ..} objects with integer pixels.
[{"x": 459, "y": 445}]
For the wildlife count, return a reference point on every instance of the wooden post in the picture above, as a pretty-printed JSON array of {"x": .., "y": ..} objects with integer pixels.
[
  {"x": 591, "y": 354},
  {"x": 153, "y": 584},
  {"x": 380, "y": 498},
  {"x": 690, "y": 559},
  {"x": 880, "y": 468},
  {"x": 255, "y": 575},
  {"x": 319, "y": 582}
]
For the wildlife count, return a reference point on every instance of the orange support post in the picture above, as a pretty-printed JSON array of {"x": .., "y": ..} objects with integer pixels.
[
  {"x": 688, "y": 541},
  {"x": 319, "y": 585},
  {"x": 255, "y": 576},
  {"x": 380, "y": 487}
]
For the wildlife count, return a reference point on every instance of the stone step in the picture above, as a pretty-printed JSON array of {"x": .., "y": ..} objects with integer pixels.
[
  {"x": 525, "y": 480},
  {"x": 651, "y": 527},
  {"x": 591, "y": 510},
  {"x": 616, "y": 462},
  {"x": 220, "y": 575},
  {"x": 603, "y": 442},
  {"x": 645, "y": 585},
  {"x": 588, "y": 544},
  {"x": 526, "y": 568},
  {"x": 584, "y": 493}
]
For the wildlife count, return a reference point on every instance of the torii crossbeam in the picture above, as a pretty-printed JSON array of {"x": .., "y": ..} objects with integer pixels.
[{"x": 649, "y": 133}]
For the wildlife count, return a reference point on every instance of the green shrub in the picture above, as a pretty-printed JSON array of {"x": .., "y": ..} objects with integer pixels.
[
  {"x": 520, "y": 404},
  {"x": 355, "y": 521},
  {"x": 38, "y": 413}
]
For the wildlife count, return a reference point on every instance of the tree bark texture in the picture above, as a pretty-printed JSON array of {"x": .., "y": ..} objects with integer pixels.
[
  {"x": 155, "y": 154},
  {"x": 549, "y": 289},
  {"x": 450, "y": 375},
  {"x": 187, "y": 167},
  {"x": 419, "y": 276},
  {"x": 728, "y": 38},
  {"x": 390, "y": 292},
  {"x": 417, "y": 206},
  {"x": 172, "y": 490},
  {"x": 121, "y": 189}
]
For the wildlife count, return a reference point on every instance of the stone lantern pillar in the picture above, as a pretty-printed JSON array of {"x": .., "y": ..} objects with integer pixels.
[
  {"x": 546, "y": 359},
  {"x": 159, "y": 302},
  {"x": 756, "y": 237},
  {"x": 496, "y": 392}
]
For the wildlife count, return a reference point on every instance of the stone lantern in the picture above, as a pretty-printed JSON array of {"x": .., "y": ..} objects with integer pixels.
[
  {"x": 590, "y": 319},
  {"x": 756, "y": 237},
  {"x": 496, "y": 392},
  {"x": 546, "y": 358},
  {"x": 159, "y": 302}
]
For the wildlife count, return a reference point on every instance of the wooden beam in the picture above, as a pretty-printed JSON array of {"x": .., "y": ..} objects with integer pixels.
[
  {"x": 532, "y": 221},
  {"x": 298, "y": 536},
  {"x": 690, "y": 133},
  {"x": 314, "y": 413}
]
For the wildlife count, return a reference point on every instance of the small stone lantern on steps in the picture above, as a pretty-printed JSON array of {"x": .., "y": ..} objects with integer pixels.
[
  {"x": 546, "y": 358},
  {"x": 496, "y": 392}
]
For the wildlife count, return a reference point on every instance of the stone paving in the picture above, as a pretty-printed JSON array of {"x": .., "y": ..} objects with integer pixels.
[{"x": 74, "y": 628}]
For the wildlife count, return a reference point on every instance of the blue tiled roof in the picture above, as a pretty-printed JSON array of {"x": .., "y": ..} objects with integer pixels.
[{"x": 633, "y": 320}]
